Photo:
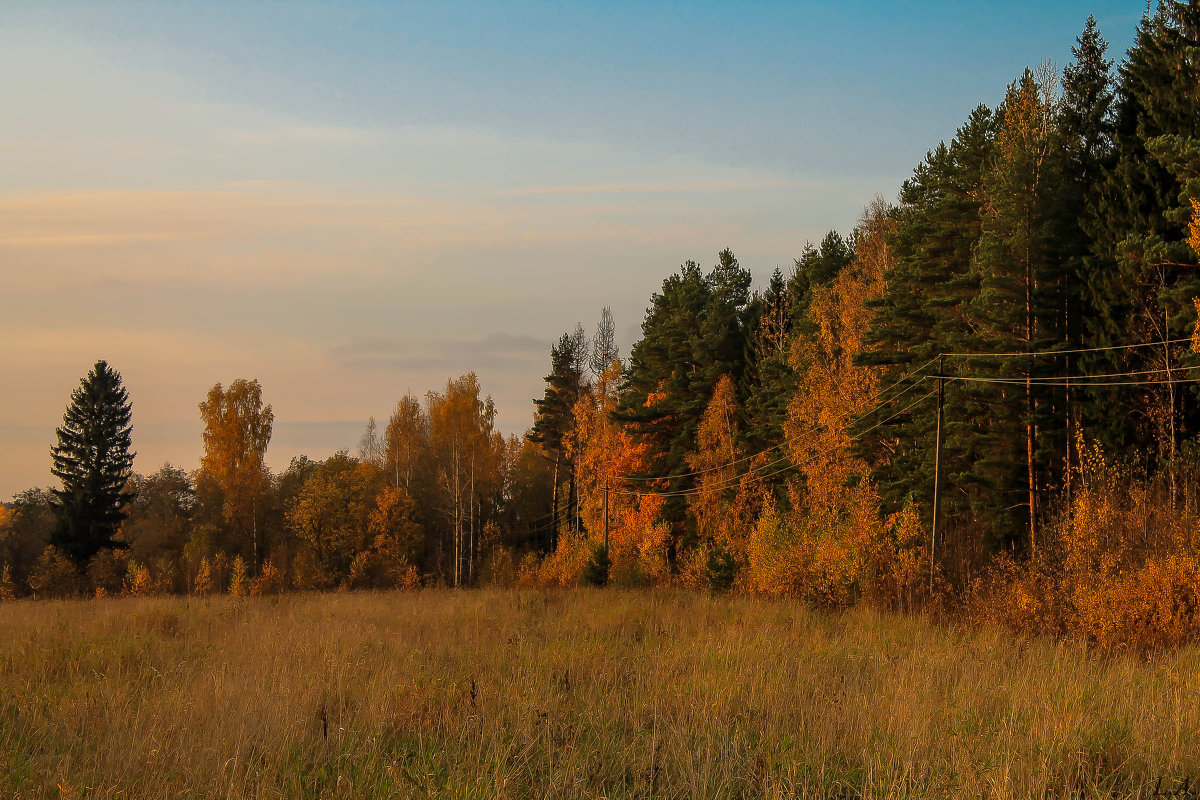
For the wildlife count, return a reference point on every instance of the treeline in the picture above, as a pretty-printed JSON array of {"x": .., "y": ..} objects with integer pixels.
[
  {"x": 1036, "y": 281},
  {"x": 423, "y": 502}
]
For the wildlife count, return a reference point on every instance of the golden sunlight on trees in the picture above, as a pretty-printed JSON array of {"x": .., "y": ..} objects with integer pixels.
[
  {"x": 833, "y": 546},
  {"x": 406, "y": 443},
  {"x": 466, "y": 454},
  {"x": 1194, "y": 227},
  {"x": 237, "y": 429},
  {"x": 725, "y": 502},
  {"x": 603, "y": 452},
  {"x": 330, "y": 517}
]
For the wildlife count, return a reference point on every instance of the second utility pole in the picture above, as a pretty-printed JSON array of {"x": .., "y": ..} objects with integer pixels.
[{"x": 937, "y": 470}]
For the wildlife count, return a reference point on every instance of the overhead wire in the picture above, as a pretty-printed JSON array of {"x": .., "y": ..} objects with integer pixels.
[
  {"x": 1081, "y": 380},
  {"x": 1060, "y": 382},
  {"x": 787, "y": 441},
  {"x": 1070, "y": 352},
  {"x": 752, "y": 472}
]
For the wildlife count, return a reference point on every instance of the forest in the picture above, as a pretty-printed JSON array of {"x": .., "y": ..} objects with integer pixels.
[{"x": 980, "y": 402}]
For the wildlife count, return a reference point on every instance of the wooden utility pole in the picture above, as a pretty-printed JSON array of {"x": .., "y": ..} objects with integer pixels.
[
  {"x": 937, "y": 470},
  {"x": 606, "y": 516}
]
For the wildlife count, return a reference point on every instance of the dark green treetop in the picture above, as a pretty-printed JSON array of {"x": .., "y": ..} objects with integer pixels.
[{"x": 93, "y": 461}]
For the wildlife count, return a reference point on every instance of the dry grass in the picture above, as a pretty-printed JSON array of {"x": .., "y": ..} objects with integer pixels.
[{"x": 576, "y": 694}]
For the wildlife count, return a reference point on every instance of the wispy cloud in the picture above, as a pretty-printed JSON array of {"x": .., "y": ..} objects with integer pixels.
[
  {"x": 301, "y": 134},
  {"x": 495, "y": 350},
  {"x": 643, "y": 188}
]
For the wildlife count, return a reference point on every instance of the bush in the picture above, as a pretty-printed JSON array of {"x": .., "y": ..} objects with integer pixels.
[
  {"x": 595, "y": 573},
  {"x": 270, "y": 581},
  {"x": 138, "y": 582},
  {"x": 55, "y": 575},
  {"x": 8, "y": 588},
  {"x": 720, "y": 569}
]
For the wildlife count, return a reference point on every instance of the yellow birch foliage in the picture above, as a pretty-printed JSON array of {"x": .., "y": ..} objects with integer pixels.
[
  {"x": 204, "y": 584},
  {"x": 237, "y": 430},
  {"x": 8, "y": 588},
  {"x": 1119, "y": 568},
  {"x": 239, "y": 581},
  {"x": 604, "y": 453},
  {"x": 726, "y": 494},
  {"x": 835, "y": 547},
  {"x": 269, "y": 581},
  {"x": 1194, "y": 227},
  {"x": 138, "y": 582}
]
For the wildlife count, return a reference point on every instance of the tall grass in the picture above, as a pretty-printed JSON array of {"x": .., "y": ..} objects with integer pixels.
[{"x": 574, "y": 694}]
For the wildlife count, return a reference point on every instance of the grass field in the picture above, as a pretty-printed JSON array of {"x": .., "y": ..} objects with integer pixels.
[{"x": 578, "y": 694}]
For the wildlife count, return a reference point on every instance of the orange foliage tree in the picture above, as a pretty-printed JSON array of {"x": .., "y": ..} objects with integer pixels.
[
  {"x": 237, "y": 429},
  {"x": 726, "y": 495},
  {"x": 834, "y": 547},
  {"x": 603, "y": 454}
]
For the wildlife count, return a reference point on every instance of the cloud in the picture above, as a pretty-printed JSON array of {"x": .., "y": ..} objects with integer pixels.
[
  {"x": 492, "y": 351},
  {"x": 644, "y": 188},
  {"x": 303, "y": 134}
]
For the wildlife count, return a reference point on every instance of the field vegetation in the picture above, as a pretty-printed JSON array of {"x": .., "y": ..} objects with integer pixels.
[{"x": 581, "y": 693}]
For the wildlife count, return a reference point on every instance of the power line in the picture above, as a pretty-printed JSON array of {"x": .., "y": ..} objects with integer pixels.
[
  {"x": 1060, "y": 382},
  {"x": 751, "y": 472},
  {"x": 787, "y": 441},
  {"x": 1069, "y": 352},
  {"x": 1111, "y": 374},
  {"x": 1084, "y": 380}
]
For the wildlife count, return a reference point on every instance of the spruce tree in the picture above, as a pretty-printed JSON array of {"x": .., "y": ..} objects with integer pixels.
[
  {"x": 1085, "y": 128},
  {"x": 93, "y": 461},
  {"x": 1147, "y": 273},
  {"x": 769, "y": 380}
]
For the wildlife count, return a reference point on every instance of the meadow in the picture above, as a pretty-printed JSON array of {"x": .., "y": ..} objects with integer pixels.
[{"x": 581, "y": 693}]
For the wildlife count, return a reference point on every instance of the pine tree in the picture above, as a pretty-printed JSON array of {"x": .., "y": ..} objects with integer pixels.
[
  {"x": 1147, "y": 273},
  {"x": 931, "y": 280},
  {"x": 1018, "y": 305},
  {"x": 694, "y": 332},
  {"x": 93, "y": 461},
  {"x": 554, "y": 419}
]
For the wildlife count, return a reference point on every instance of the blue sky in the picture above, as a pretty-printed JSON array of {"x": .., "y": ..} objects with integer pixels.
[{"x": 352, "y": 201}]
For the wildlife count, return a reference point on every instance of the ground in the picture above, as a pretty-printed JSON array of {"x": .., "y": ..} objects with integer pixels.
[{"x": 588, "y": 693}]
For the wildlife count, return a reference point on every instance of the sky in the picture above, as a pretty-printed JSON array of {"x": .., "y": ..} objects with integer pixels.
[{"x": 353, "y": 201}]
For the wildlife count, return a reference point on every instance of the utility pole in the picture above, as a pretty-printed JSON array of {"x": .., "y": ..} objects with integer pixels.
[
  {"x": 937, "y": 469},
  {"x": 606, "y": 515}
]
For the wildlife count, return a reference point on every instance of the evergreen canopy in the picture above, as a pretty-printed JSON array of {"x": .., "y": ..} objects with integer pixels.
[{"x": 93, "y": 461}]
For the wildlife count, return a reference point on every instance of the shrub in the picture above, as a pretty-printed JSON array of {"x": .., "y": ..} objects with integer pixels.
[
  {"x": 138, "y": 582},
  {"x": 595, "y": 573},
  {"x": 269, "y": 581},
  {"x": 8, "y": 588},
  {"x": 239, "y": 582},
  {"x": 55, "y": 575}
]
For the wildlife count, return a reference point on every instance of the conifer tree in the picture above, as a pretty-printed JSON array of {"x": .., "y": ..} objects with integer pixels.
[
  {"x": 1018, "y": 305},
  {"x": 694, "y": 332},
  {"x": 93, "y": 461},
  {"x": 769, "y": 378},
  {"x": 931, "y": 280},
  {"x": 554, "y": 418},
  {"x": 1147, "y": 276},
  {"x": 1085, "y": 129}
]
